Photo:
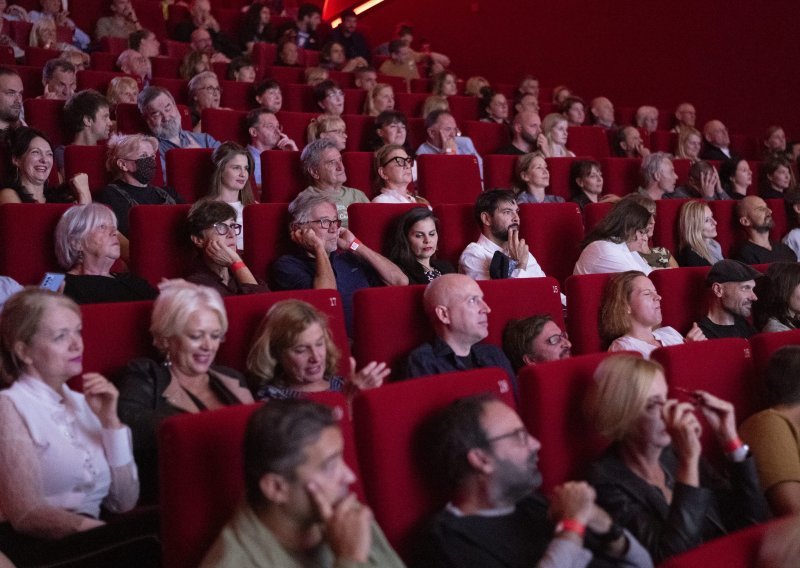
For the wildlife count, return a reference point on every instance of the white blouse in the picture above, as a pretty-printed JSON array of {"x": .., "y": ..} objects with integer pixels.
[
  {"x": 600, "y": 257},
  {"x": 664, "y": 335}
]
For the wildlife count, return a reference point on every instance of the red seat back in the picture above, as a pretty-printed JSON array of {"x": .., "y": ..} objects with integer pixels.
[
  {"x": 112, "y": 45},
  {"x": 594, "y": 212},
  {"x": 463, "y": 108},
  {"x": 177, "y": 49},
  {"x": 31, "y": 79},
  {"x": 266, "y": 236},
  {"x": 237, "y": 95},
  {"x": 354, "y": 105},
  {"x": 47, "y": 115},
  {"x": 189, "y": 171},
  {"x": 449, "y": 179},
  {"x": 358, "y": 166},
  {"x": 168, "y": 67},
  {"x": 684, "y": 296},
  {"x": 584, "y": 293},
  {"x": 179, "y": 88},
  {"x": 299, "y": 98},
  {"x": 294, "y": 124},
  {"x": 226, "y": 124},
  {"x": 160, "y": 245},
  {"x": 559, "y": 176},
  {"x": 32, "y": 227},
  {"x": 96, "y": 79},
  {"x": 457, "y": 228},
  {"x": 263, "y": 56},
  {"x": 666, "y": 233},
  {"x": 498, "y": 170},
  {"x": 285, "y": 75},
  {"x": 281, "y": 176},
  {"x": 663, "y": 141},
  {"x": 359, "y": 130},
  {"x": 104, "y": 61},
  {"x": 38, "y": 56},
  {"x": 488, "y": 137},
  {"x": 588, "y": 141},
  {"x": 90, "y": 160},
  {"x": 682, "y": 167},
  {"x": 737, "y": 550},
  {"x": 621, "y": 175},
  {"x": 410, "y": 104},
  {"x": 553, "y": 232},
  {"x": 729, "y": 232},
  {"x": 373, "y": 223},
  {"x": 764, "y": 346}
]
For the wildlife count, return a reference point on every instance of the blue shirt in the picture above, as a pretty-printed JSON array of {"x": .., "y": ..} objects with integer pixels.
[
  {"x": 256, "y": 154},
  {"x": 202, "y": 139},
  {"x": 464, "y": 146}
]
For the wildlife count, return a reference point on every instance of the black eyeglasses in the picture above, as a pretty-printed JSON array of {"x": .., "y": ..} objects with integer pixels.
[
  {"x": 400, "y": 161},
  {"x": 557, "y": 338},
  {"x": 326, "y": 223},
  {"x": 223, "y": 228},
  {"x": 520, "y": 435}
]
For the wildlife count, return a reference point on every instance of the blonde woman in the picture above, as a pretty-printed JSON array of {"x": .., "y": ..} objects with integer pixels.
[
  {"x": 698, "y": 230},
  {"x": 554, "y": 128},
  {"x": 328, "y": 127},
  {"x": 393, "y": 171},
  {"x": 531, "y": 180},
  {"x": 690, "y": 141},
  {"x": 379, "y": 98}
]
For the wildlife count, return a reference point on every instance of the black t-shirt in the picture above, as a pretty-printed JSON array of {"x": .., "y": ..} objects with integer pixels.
[
  {"x": 751, "y": 253},
  {"x": 119, "y": 287},
  {"x": 740, "y": 328}
]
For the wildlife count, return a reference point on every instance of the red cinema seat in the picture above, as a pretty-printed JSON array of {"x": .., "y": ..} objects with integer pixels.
[
  {"x": 764, "y": 345},
  {"x": 449, "y": 179},
  {"x": 553, "y": 232},
  {"x": 736, "y": 550},
  {"x": 359, "y": 130},
  {"x": 104, "y": 61},
  {"x": 179, "y": 88},
  {"x": 7, "y": 56},
  {"x": 295, "y": 125},
  {"x": 230, "y": 19},
  {"x": 205, "y": 458},
  {"x": 682, "y": 169},
  {"x": 286, "y": 75},
  {"x": 457, "y": 228},
  {"x": 416, "y": 131},
  {"x": 358, "y": 166},
  {"x": 684, "y": 296},
  {"x": 309, "y": 57},
  {"x": 755, "y": 166},
  {"x": 584, "y": 293},
  {"x": 624, "y": 115},
  {"x": 420, "y": 86},
  {"x": 160, "y": 245},
  {"x": 90, "y": 160},
  {"x": 177, "y": 49},
  {"x": 780, "y": 217},
  {"x": 398, "y": 83},
  {"x": 488, "y": 137},
  {"x": 394, "y": 416},
  {"x": 621, "y": 175},
  {"x": 33, "y": 227},
  {"x": 168, "y": 67},
  {"x": 269, "y": 238},
  {"x": 20, "y": 31},
  {"x": 299, "y": 98},
  {"x": 559, "y": 176},
  {"x": 96, "y": 79},
  {"x": 246, "y": 312},
  {"x": 373, "y": 223},
  {"x": 463, "y": 108},
  {"x": 594, "y": 212},
  {"x": 112, "y": 45},
  {"x": 666, "y": 233},
  {"x": 663, "y": 141},
  {"x": 354, "y": 102},
  {"x": 46, "y": 115},
  {"x": 31, "y": 80},
  {"x": 237, "y": 95},
  {"x": 498, "y": 170},
  {"x": 263, "y": 55},
  {"x": 281, "y": 176},
  {"x": 729, "y": 232},
  {"x": 151, "y": 17},
  {"x": 588, "y": 141},
  {"x": 189, "y": 171},
  {"x": 409, "y": 104},
  {"x": 226, "y": 124},
  {"x": 746, "y": 146},
  {"x": 38, "y": 56},
  {"x": 551, "y": 399}
]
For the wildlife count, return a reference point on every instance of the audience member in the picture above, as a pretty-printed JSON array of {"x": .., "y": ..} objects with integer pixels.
[
  {"x": 555, "y": 130},
  {"x": 379, "y": 99},
  {"x": 413, "y": 244},
  {"x": 560, "y": 94},
  {"x": 401, "y": 62},
  {"x": 11, "y": 95},
  {"x": 574, "y": 110},
  {"x": 444, "y": 84},
  {"x": 332, "y": 57},
  {"x": 526, "y": 134},
  {"x": 444, "y": 138},
  {"x": 586, "y": 184},
  {"x": 391, "y": 127},
  {"x": 718, "y": 142},
  {"x": 55, "y": 11},
  {"x": 535, "y": 339},
  {"x": 659, "y": 177},
  {"x": 194, "y": 63},
  {"x": 45, "y": 36},
  {"x": 697, "y": 230},
  {"x": 6, "y": 40},
  {"x": 121, "y": 23},
  {"x": 655, "y": 257},
  {"x": 703, "y": 182},
  {"x": 602, "y": 113},
  {"x": 315, "y": 75},
  {"x": 133, "y": 63},
  {"x": 690, "y": 141},
  {"x": 204, "y": 92},
  {"x": 88, "y": 118},
  {"x": 329, "y": 97},
  {"x": 268, "y": 95},
  {"x": 145, "y": 42},
  {"x": 474, "y": 85},
  {"x": 354, "y": 43},
  {"x": 778, "y": 305},
  {"x": 774, "y": 142},
  {"x": 393, "y": 171},
  {"x": 58, "y": 78},
  {"x": 731, "y": 295},
  {"x": 528, "y": 85},
  {"x": 365, "y": 78},
  {"x": 628, "y": 143},
  {"x": 526, "y": 102},
  {"x": 735, "y": 177},
  {"x": 203, "y": 31},
  {"x": 685, "y": 117},
  {"x": 646, "y": 118},
  {"x": 775, "y": 178},
  {"x": 309, "y": 17},
  {"x": 328, "y": 127},
  {"x": 288, "y": 54},
  {"x": 531, "y": 180},
  {"x": 256, "y": 26},
  {"x": 265, "y": 134},
  {"x": 755, "y": 217},
  {"x": 231, "y": 183},
  {"x": 242, "y": 69}
]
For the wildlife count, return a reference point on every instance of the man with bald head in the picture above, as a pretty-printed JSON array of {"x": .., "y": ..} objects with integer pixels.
[
  {"x": 755, "y": 217},
  {"x": 718, "y": 143},
  {"x": 685, "y": 117},
  {"x": 602, "y": 112},
  {"x": 526, "y": 132},
  {"x": 647, "y": 118},
  {"x": 460, "y": 318}
]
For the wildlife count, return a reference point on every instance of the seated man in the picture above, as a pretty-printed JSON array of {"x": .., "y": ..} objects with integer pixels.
[
  {"x": 121, "y": 23},
  {"x": 647, "y": 118},
  {"x": 365, "y": 78},
  {"x": 526, "y": 102},
  {"x": 161, "y": 114},
  {"x": 353, "y": 41},
  {"x": 401, "y": 62},
  {"x": 202, "y": 42},
  {"x": 685, "y": 116},
  {"x": 526, "y": 129},
  {"x": 495, "y": 517},
  {"x": 299, "y": 510},
  {"x": 268, "y": 95},
  {"x": 87, "y": 117},
  {"x": 460, "y": 318},
  {"x": 628, "y": 143},
  {"x": 328, "y": 256},
  {"x": 309, "y": 17},
  {"x": 53, "y": 9},
  {"x": 718, "y": 142},
  {"x": 444, "y": 138},
  {"x": 214, "y": 41},
  {"x": 535, "y": 339},
  {"x": 265, "y": 134},
  {"x": 135, "y": 64},
  {"x": 58, "y": 78},
  {"x": 755, "y": 217},
  {"x": 659, "y": 177},
  {"x": 601, "y": 111},
  {"x": 323, "y": 166},
  {"x": 731, "y": 286},
  {"x": 145, "y": 42},
  {"x": 11, "y": 92}
]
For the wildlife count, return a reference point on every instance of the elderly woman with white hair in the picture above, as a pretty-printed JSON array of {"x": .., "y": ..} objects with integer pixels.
[
  {"x": 188, "y": 325},
  {"x": 87, "y": 246},
  {"x": 204, "y": 92},
  {"x": 132, "y": 161},
  {"x": 133, "y": 63}
]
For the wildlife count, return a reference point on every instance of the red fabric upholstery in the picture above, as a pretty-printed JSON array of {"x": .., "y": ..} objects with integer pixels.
[
  {"x": 398, "y": 83},
  {"x": 449, "y": 179},
  {"x": 684, "y": 296},
  {"x": 31, "y": 78},
  {"x": 764, "y": 345},
  {"x": 177, "y": 49},
  {"x": 498, "y": 170},
  {"x": 621, "y": 175},
  {"x": 299, "y": 98},
  {"x": 781, "y": 218},
  {"x": 729, "y": 232},
  {"x": 559, "y": 176},
  {"x": 463, "y": 108},
  {"x": 294, "y": 124},
  {"x": 488, "y": 137},
  {"x": 553, "y": 232},
  {"x": 151, "y": 17},
  {"x": 38, "y": 56},
  {"x": 226, "y": 124},
  {"x": 584, "y": 293},
  {"x": 179, "y": 88},
  {"x": 90, "y": 160},
  {"x": 358, "y": 166},
  {"x": 416, "y": 131},
  {"x": 588, "y": 141},
  {"x": 28, "y": 232},
  {"x": 420, "y": 85},
  {"x": 746, "y": 146},
  {"x": 46, "y": 115},
  {"x": 20, "y": 31},
  {"x": 281, "y": 176},
  {"x": 285, "y": 76},
  {"x": 624, "y": 115},
  {"x": 269, "y": 237},
  {"x": 594, "y": 213},
  {"x": 373, "y": 223},
  {"x": 221, "y": 69},
  {"x": 237, "y": 95},
  {"x": 681, "y": 168},
  {"x": 737, "y": 550},
  {"x": 168, "y": 67},
  {"x": 7, "y": 56},
  {"x": 160, "y": 245},
  {"x": 410, "y": 104},
  {"x": 103, "y": 61},
  {"x": 96, "y": 79},
  {"x": 112, "y": 45},
  {"x": 189, "y": 171},
  {"x": 551, "y": 398},
  {"x": 663, "y": 141},
  {"x": 457, "y": 228},
  {"x": 359, "y": 129},
  {"x": 263, "y": 56},
  {"x": 394, "y": 416},
  {"x": 666, "y": 233},
  {"x": 354, "y": 103}
]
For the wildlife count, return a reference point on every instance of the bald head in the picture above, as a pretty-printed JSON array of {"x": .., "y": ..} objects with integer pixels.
[
  {"x": 602, "y": 110},
  {"x": 647, "y": 118},
  {"x": 754, "y": 214},
  {"x": 716, "y": 133},
  {"x": 527, "y": 126},
  {"x": 454, "y": 304}
]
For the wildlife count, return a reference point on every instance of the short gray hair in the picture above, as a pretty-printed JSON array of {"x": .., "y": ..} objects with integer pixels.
[
  {"x": 300, "y": 209},
  {"x": 195, "y": 81},
  {"x": 74, "y": 225},
  {"x": 149, "y": 94},
  {"x": 125, "y": 57},
  {"x": 176, "y": 302},
  {"x": 312, "y": 154},
  {"x": 651, "y": 165}
]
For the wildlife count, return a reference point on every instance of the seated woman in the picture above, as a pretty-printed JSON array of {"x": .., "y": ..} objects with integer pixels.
[
  {"x": 256, "y": 26},
  {"x": 87, "y": 246},
  {"x": 332, "y": 57},
  {"x": 560, "y": 94},
  {"x": 735, "y": 177},
  {"x": 775, "y": 178},
  {"x": 194, "y": 63},
  {"x": 630, "y": 313},
  {"x": 697, "y": 228},
  {"x": 554, "y": 128},
  {"x": 413, "y": 244},
  {"x": 315, "y": 75},
  {"x": 329, "y": 97},
  {"x": 392, "y": 172},
  {"x": 288, "y": 54},
  {"x": 63, "y": 454},
  {"x": 774, "y": 142},
  {"x": 242, "y": 69},
  {"x": 294, "y": 353},
  {"x": 434, "y": 102},
  {"x": 613, "y": 245},
  {"x": 391, "y": 127},
  {"x": 703, "y": 183},
  {"x": 188, "y": 324},
  {"x": 473, "y": 86},
  {"x": 329, "y": 127},
  {"x": 655, "y": 257},
  {"x": 379, "y": 98},
  {"x": 231, "y": 181},
  {"x": 792, "y": 238},
  {"x": 493, "y": 107},
  {"x": 778, "y": 304},
  {"x": 44, "y": 34},
  {"x": 121, "y": 90},
  {"x": 531, "y": 180},
  {"x": 444, "y": 84},
  {"x": 204, "y": 92},
  {"x": 213, "y": 230},
  {"x": 772, "y": 434},
  {"x": 586, "y": 184},
  {"x": 574, "y": 110},
  {"x": 690, "y": 142},
  {"x": 29, "y": 157},
  {"x": 653, "y": 479},
  {"x": 132, "y": 161}
]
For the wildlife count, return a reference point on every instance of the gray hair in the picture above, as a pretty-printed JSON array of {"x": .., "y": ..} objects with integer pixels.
[
  {"x": 194, "y": 82},
  {"x": 306, "y": 201},
  {"x": 176, "y": 302},
  {"x": 149, "y": 94},
  {"x": 125, "y": 57},
  {"x": 74, "y": 225},
  {"x": 651, "y": 165},
  {"x": 124, "y": 146},
  {"x": 642, "y": 112},
  {"x": 312, "y": 154}
]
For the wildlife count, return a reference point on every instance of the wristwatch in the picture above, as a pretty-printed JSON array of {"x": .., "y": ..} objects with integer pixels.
[{"x": 612, "y": 534}]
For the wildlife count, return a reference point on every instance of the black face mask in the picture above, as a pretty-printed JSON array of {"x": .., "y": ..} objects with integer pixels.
[{"x": 145, "y": 169}]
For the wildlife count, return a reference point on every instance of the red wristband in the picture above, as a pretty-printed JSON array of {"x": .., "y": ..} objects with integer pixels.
[
  {"x": 733, "y": 445},
  {"x": 238, "y": 265},
  {"x": 355, "y": 244},
  {"x": 571, "y": 525}
]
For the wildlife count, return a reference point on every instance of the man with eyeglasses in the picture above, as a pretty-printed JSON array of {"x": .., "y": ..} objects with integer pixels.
[
  {"x": 495, "y": 517},
  {"x": 535, "y": 339},
  {"x": 329, "y": 256},
  {"x": 136, "y": 65},
  {"x": 445, "y": 138},
  {"x": 265, "y": 134},
  {"x": 204, "y": 92}
]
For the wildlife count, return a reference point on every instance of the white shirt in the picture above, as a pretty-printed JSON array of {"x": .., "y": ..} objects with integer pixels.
[
  {"x": 664, "y": 335},
  {"x": 393, "y": 196},
  {"x": 239, "y": 206},
  {"x": 792, "y": 240},
  {"x": 477, "y": 257},
  {"x": 601, "y": 257}
]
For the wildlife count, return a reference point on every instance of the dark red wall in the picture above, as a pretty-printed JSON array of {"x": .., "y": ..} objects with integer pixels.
[{"x": 736, "y": 63}]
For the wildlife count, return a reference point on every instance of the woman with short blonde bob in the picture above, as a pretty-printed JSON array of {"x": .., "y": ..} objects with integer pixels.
[
  {"x": 698, "y": 228},
  {"x": 473, "y": 86},
  {"x": 329, "y": 127},
  {"x": 294, "y": 354},
  {"x": 393, "y": 171},
  {"x": 379, "y": 98},
  {"x": 653, "y": 479}
]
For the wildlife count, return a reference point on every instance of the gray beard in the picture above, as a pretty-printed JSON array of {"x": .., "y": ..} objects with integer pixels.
[{"x": 169, "y": 129}]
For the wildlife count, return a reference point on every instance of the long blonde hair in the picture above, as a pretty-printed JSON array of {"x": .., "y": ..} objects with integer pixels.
[{"x": 690, "y": 226}]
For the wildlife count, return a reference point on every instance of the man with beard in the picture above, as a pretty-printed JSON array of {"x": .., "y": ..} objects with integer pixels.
[
  {"x": 161, "y": 114},
  {"x": 526, "y": 131},
  {"x": 535, "y": 339},
  {"x": 755, "y": 217},
  {"x": 444, "y": 137},
  {"x": 495, "y": 518},
  {"x": 11, "y": 90},
  {"x": 732, "y": 286}
]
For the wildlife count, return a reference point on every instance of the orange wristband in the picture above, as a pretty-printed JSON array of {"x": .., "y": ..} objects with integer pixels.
[
  {"x": 571, "y": 525},
  {"x": 733, "y": 445},
  {"x": 238, "y": 265}
]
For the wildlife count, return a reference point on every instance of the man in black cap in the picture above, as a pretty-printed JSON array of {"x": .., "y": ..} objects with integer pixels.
[{"x": 731, "y": 285}]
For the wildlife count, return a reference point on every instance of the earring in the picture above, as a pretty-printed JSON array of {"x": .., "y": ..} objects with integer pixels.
[{"x": 167, "y": 361}]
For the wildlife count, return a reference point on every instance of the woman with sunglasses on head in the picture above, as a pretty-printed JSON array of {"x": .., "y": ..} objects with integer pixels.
[
  {"x": 213, "y": 230},
  {"x": 393, "y": 172}
]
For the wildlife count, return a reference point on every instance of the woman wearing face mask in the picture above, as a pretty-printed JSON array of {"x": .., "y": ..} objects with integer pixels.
[{"x": 132, "y": 162}]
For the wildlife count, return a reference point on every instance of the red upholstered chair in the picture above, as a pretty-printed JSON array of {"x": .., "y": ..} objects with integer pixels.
[
  {"x": 663, "y": 141},
  {"x": 205, "y": 458},
  {"x": 584, "y": 293},
  {"x": 46, "y": 115},
  {"x": 281, "y": 176},
  {"x": 764, "y": 345},
  {"x": 151, "y": 17},
  {"x": 498, "y": 170},
  {"x": 621, "y": 175},
  {"x": 129, "y": 120},
  {"x": 112, "y": 45},
  {"x": 177, "y": 49},
  {"x": 736, "y": 550},
  {"x": 285, "y": 75},
  {"x": 31, "y": 78},
  {"x": 266, "y": 236},
  {"x": 410, "y": 104},
  {"x": 624, "y": 115},
  {"x": 103, "y": 61},
  {"x": 38, "y": 56},
  {"x": 746, "y": 146},
  {"x": 358, "y": 166},
  {"x": 449, "y": 179},
  {"x": 398, "y": 83},
  {"x": 168, "y": 67},
  {"x": 226, "y": 124},
  {"x": 488, "y": 137},
  {"x": 373, "y": 223},
  {"x": 179, "y": 88},
  {"x": 359, "y": 129},
  {"x": 588, "y": 141},
  {"x": 309, "y": 57},
  {"x": 729, "y": 232},
  {"x": 294, "y": 124},
  {"x": 237, "y": 95},
  {"x": 666, "y": 233},
  {"x": 681, "y": 168},
  {"x": 263, "y": 56},
  {"x": 160, "y": 245},
  {"x": 96, "y": 79},
  {"x": 299, "y": 98},
  {"x": 20, "y": 31},
  {"x": 90, "y": 160},
  {"x": 394, "y": 416},
  {"x": 559, "y": 176},
  {"x": 463, "y": 108},
  {"x": 553, "y": 232},
  {"x": 420, "y": 85},
  {"x": 683, "y": 294},
  {"x": 594, "y": 213},
  {"x": 551, "y": 397},
  {"x": 457, "y": 228},
  {"x": 780, "y": 217},
  {"x": 417, "y": 134},
  {"x": 189, "y": 171},
  {"x": 32, "y": 227},
  {"x": 354, "y": 103},
  {"x": 7, "y": 56}
]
